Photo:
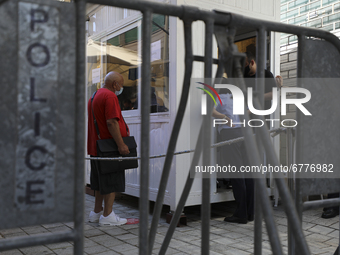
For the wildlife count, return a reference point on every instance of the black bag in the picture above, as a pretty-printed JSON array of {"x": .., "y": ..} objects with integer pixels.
[{"x": 108, "y": 148}]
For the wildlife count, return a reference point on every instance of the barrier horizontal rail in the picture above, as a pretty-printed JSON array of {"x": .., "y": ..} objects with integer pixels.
[{"x": 274, "y": 132}]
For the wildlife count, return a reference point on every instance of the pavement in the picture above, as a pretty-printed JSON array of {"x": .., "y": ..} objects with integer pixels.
[{"x": 225, "y": 238}]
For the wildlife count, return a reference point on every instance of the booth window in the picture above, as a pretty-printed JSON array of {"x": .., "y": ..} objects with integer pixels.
[{"x": 123, "y": 55}]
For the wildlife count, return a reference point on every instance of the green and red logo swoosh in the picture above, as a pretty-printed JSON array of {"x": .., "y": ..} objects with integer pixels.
[{"x": 213, "y": 90}]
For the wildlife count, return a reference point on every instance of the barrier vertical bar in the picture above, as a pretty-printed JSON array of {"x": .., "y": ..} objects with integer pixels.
[
  {"x": 289, "y": 149},
  {"x": 205, "y": 208},
  {"x": 145, "y": 133},
  {"x": 298, "y": 196},
  {"x": 79, "y": 130},
  {"x": 260, "y": 60},
  {"x": 290, "y": 210},
  {"x": 254, "y": 158},
  {"x": 184, "y": 196},
  {"x": 175, "y": 131}
]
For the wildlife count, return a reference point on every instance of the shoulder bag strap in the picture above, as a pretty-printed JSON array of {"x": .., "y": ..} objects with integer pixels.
[{"x": 94, "y": 118}]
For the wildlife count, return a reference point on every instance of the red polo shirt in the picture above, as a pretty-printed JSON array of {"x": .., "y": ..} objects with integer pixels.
[{"x": 105, "y": 106}]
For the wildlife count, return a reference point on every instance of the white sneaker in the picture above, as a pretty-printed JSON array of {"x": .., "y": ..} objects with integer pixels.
[
  {"x": 94, "y": 217},
  {"x": 111, "y": 220}
]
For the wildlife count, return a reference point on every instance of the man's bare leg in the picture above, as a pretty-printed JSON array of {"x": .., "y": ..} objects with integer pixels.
[
  {"x": 108, "y": 203},
  {"x": 98, "y": 202}
]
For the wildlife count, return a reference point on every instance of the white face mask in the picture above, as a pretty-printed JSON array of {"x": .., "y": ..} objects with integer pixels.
[{"x": 119, "y": 91}]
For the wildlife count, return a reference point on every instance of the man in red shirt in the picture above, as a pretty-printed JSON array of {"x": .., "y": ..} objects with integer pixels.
[{"x": 111, "y": 124}]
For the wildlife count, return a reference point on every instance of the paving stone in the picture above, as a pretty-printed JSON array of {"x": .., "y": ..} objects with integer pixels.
[
  {"x": 329, "y": 250},
  {"x": 132, "y": 241},
  {"x": 185, "y": 249},
  {"x": 232, "y": 235},
  {"x": 114, "y": 231},
  {"x": 307, "y": 225},
  {"x": 122, "y": 248},
  {"x": 131, "y": 252},
  {"x": 54, "y": 246},
  {"x": 335, "y": 234},
  {"x": 109, "y": 252},
  {"x": 126, "y": 236},
  {"x": 335, "y": 225},
  {"x": 317, "y": 238},
  {"x": 106, "y": 240},
  {"x": 134, "y": 231},
  {"x": 53, "y": 225},
  {"x": 93, "y": 232},
  {"x": 59, "y": 229},
  {"x": 232, "y": 251},
  {"x": 34, "y": 230},
  {"x": 185, "y": 237},
  {"x": 95, "y": 249},
  {"x": 64, "y": 251},
  {"x": 309, "y": 218},
  {"x": 175, "y": 243},
  {"x": 5, "y": 232},
  {"x": 15, "y": 235},
  {"x": 223, "y": 241},
  {"x": 241, "y": 246},
  {"x": 43, "y": 250},
  {"x": 88, "y": 242},
  {"x": 129, "y": 227},
  {"x": 326, "y": 222},
  {"x": 333, "y": 242},
  {"x": 11, "y": 252},
  {"x": 320, "y": 230}
]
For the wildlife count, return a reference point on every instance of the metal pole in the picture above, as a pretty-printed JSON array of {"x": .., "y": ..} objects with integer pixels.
[
  {"x": 184, "y": 196},
  {"x": 145, "y": 134},
  {"x": 80, "y": 129},
  {"x": 175, "y": 132},
  {"x": 39, "y": 239},
  {"x": 298, "y": 195},
  {"x": 289, "y": 149},
  {"x": 284, "y": 192},
  {"x": 220, "y": 18},
  {"x": 260, "y": 61},
  {"x": 254, "y": 159},
  {"x": 182, "y": 12},
  {"x": 205, "y": 208}
]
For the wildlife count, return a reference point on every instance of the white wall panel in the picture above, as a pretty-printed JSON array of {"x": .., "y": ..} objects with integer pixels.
[
  {"x": 256, "y": 6},
  {"x": 244, "y": 4}
]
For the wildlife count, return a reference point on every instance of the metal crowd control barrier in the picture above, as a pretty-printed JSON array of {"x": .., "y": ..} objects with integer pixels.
[
  {"x": 232, "y": 61},
  {"x": 216, "y": 23}
]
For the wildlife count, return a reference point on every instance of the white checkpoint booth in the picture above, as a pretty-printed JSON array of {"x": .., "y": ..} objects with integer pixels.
[{"x": 113, "y": 34}]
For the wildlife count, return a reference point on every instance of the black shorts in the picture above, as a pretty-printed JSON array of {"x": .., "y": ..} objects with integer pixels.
[{"x": 106, "y": 183}]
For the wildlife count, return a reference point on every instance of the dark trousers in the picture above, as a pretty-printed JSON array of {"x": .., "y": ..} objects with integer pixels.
[
  {"x": 243, "y": 188},
  {"x": 332, "y": 195}
]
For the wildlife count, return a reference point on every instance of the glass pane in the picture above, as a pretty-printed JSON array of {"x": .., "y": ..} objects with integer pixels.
[
  {"x": 122, "y": 56},
  {"x": 297, "y": 3},
  {"x": 160, "y": 64},
  {"x": 94, "y": 59}
]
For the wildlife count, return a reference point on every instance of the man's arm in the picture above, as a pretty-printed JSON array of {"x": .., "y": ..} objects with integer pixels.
[
  {"x": 219, "y": 115},
  {"x": 113, "y": 126}
]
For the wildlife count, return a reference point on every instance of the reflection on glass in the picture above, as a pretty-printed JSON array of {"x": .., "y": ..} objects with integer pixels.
[{"x": 121, "y": 54}]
